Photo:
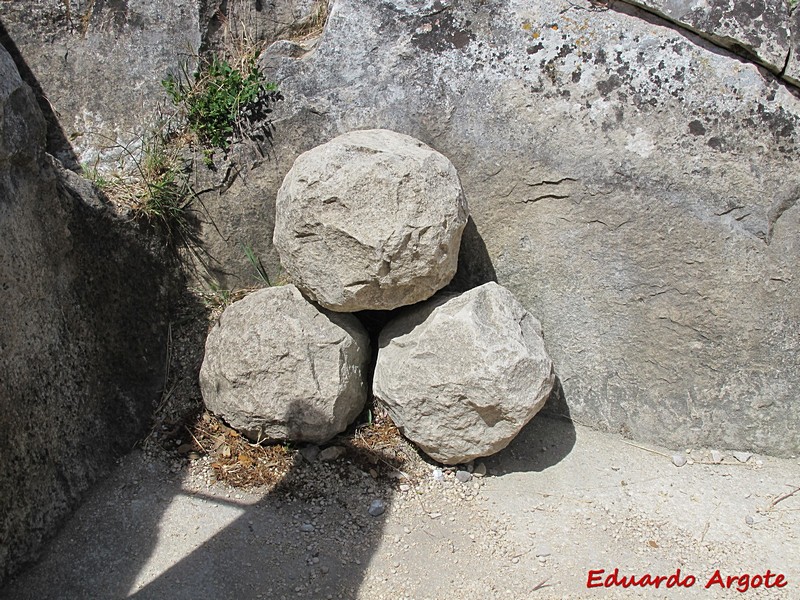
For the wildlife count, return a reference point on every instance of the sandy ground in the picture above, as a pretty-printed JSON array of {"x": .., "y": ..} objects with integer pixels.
[{"x": 560, "y": 502}]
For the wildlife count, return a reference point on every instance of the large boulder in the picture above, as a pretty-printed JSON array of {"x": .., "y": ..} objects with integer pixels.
[
  {"x": 279, "y": 368},
  {"x": 461, "y": 375},
  {"x": 759, "y": 30},
  {"x": 371, "y": 220},
  {"x": 83, "y": 330}
]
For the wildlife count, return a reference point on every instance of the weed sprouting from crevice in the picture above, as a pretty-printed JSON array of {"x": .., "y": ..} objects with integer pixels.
[{"x": 224, "y": 102}]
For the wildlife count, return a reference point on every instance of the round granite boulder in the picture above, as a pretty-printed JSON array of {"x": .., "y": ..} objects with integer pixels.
[
  {"x": 371, "y": 220},
  {"x": 277, "y": 367},
  {"x": 461, "y": 375}
]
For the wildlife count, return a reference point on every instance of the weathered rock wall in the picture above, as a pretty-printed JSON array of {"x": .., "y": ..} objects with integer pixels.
[
  {"x": 635, "y": 186},
  {"x": 83, "y": 331},
  {"x": 100, "y": 64}
]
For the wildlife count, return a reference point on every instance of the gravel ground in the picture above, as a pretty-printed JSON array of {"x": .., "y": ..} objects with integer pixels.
[{"x": 560, "y": 501}]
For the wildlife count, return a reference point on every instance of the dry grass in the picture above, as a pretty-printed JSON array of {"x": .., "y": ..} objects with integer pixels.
[
  {"x": 313, "y": 23},
  {"x": 234, "y": 459},
  {"x": 376, "y": 448}
]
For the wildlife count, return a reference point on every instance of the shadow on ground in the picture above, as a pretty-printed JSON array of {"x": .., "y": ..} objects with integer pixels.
[
  {"x": 543, "y": 443},
  {"x": 143, "y": 534}
]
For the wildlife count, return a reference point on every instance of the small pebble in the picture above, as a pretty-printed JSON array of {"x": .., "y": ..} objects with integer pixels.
[
  {"x": 543, "y": 551},
  {"x": 463, "y": 476},
  {"x": 376, "y": 508},
  {"x": 306, "y": 528},
  {"x": 438, "y": 475},
  {"x": 678, "y": 460},
  {"x": 480, "y": 470},
  {"x": 742, "y": 457},
  {"x": 716, "y": 456},
  {"x": 310, "y": 452},
  {"x": 331, "y": 453},
  {"x": 749, "y": 520}
]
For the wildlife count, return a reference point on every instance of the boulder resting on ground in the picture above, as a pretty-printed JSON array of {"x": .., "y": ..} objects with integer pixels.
[
  {"x": 277, "y": 367},
  {"x": 460, "y": 376}
]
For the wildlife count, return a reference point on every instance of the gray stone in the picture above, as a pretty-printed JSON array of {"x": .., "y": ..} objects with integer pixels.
[
  {"x": 460, "y": 376},
  {"x": 635, "y": 190},
  {"x": 376, "y": 508},
  {"x": 100, "y": 66},
  {"x": 371, "y": 220},
  {"x": 331, "y": 453},
  {"x": 742, "y": 457},
  {"x": 310, "y": 452},
  {"x": 716, "y": 456},
  {"x": 759, "y": 30},
  {"x": 243, "y": 25},
  {"x": 463, "y": 476},
  {"x": 678, "y": 460},
  {"x": 83, "y": 330},
  {"x": 279, "y": 368},
  {"x": 792, "y": 73}
]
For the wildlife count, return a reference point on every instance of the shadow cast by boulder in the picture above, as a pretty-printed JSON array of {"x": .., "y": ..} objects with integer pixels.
[{"x": 544, "y": 442}]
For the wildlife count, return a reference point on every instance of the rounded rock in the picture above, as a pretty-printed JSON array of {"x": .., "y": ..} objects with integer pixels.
[
  {"x": 278, "y": 367},
  {"x": 371, "y": 220},
  {"x": 461, "y": 375}
]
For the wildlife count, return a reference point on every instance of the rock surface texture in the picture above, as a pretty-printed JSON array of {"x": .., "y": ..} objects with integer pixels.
[
  {"x": 100, "y": 66},
  {"x": 83, "y": 330},
  {"x": 371, "y": 220},
  {"x": 635, "y": 188},
  {"x": 461, "y": 375},
  {"x": 760, "y": 30},
  {"x": 279, "y": 368}
]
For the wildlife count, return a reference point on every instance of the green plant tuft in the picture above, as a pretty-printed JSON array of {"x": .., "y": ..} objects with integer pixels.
[
  {"x": 258, "y": 266},
  {"x": 221, "y": 101}
]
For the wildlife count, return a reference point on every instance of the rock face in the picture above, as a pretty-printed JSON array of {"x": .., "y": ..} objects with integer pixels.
[
  {"x": 279, "y": 368},
  {"x": 635, "y": 190},
  {"x": 100, "y": 65},
  {"x": 83, "y": 331},
  {"x": 634, "y": 186},
  {"x": 384, "y": 210},
  {"x": 760, "y": 30},
  {"x": 462, "y": 375}
]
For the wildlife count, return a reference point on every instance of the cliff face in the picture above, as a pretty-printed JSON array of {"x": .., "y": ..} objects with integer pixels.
[{"x": 83, "y": 330}]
